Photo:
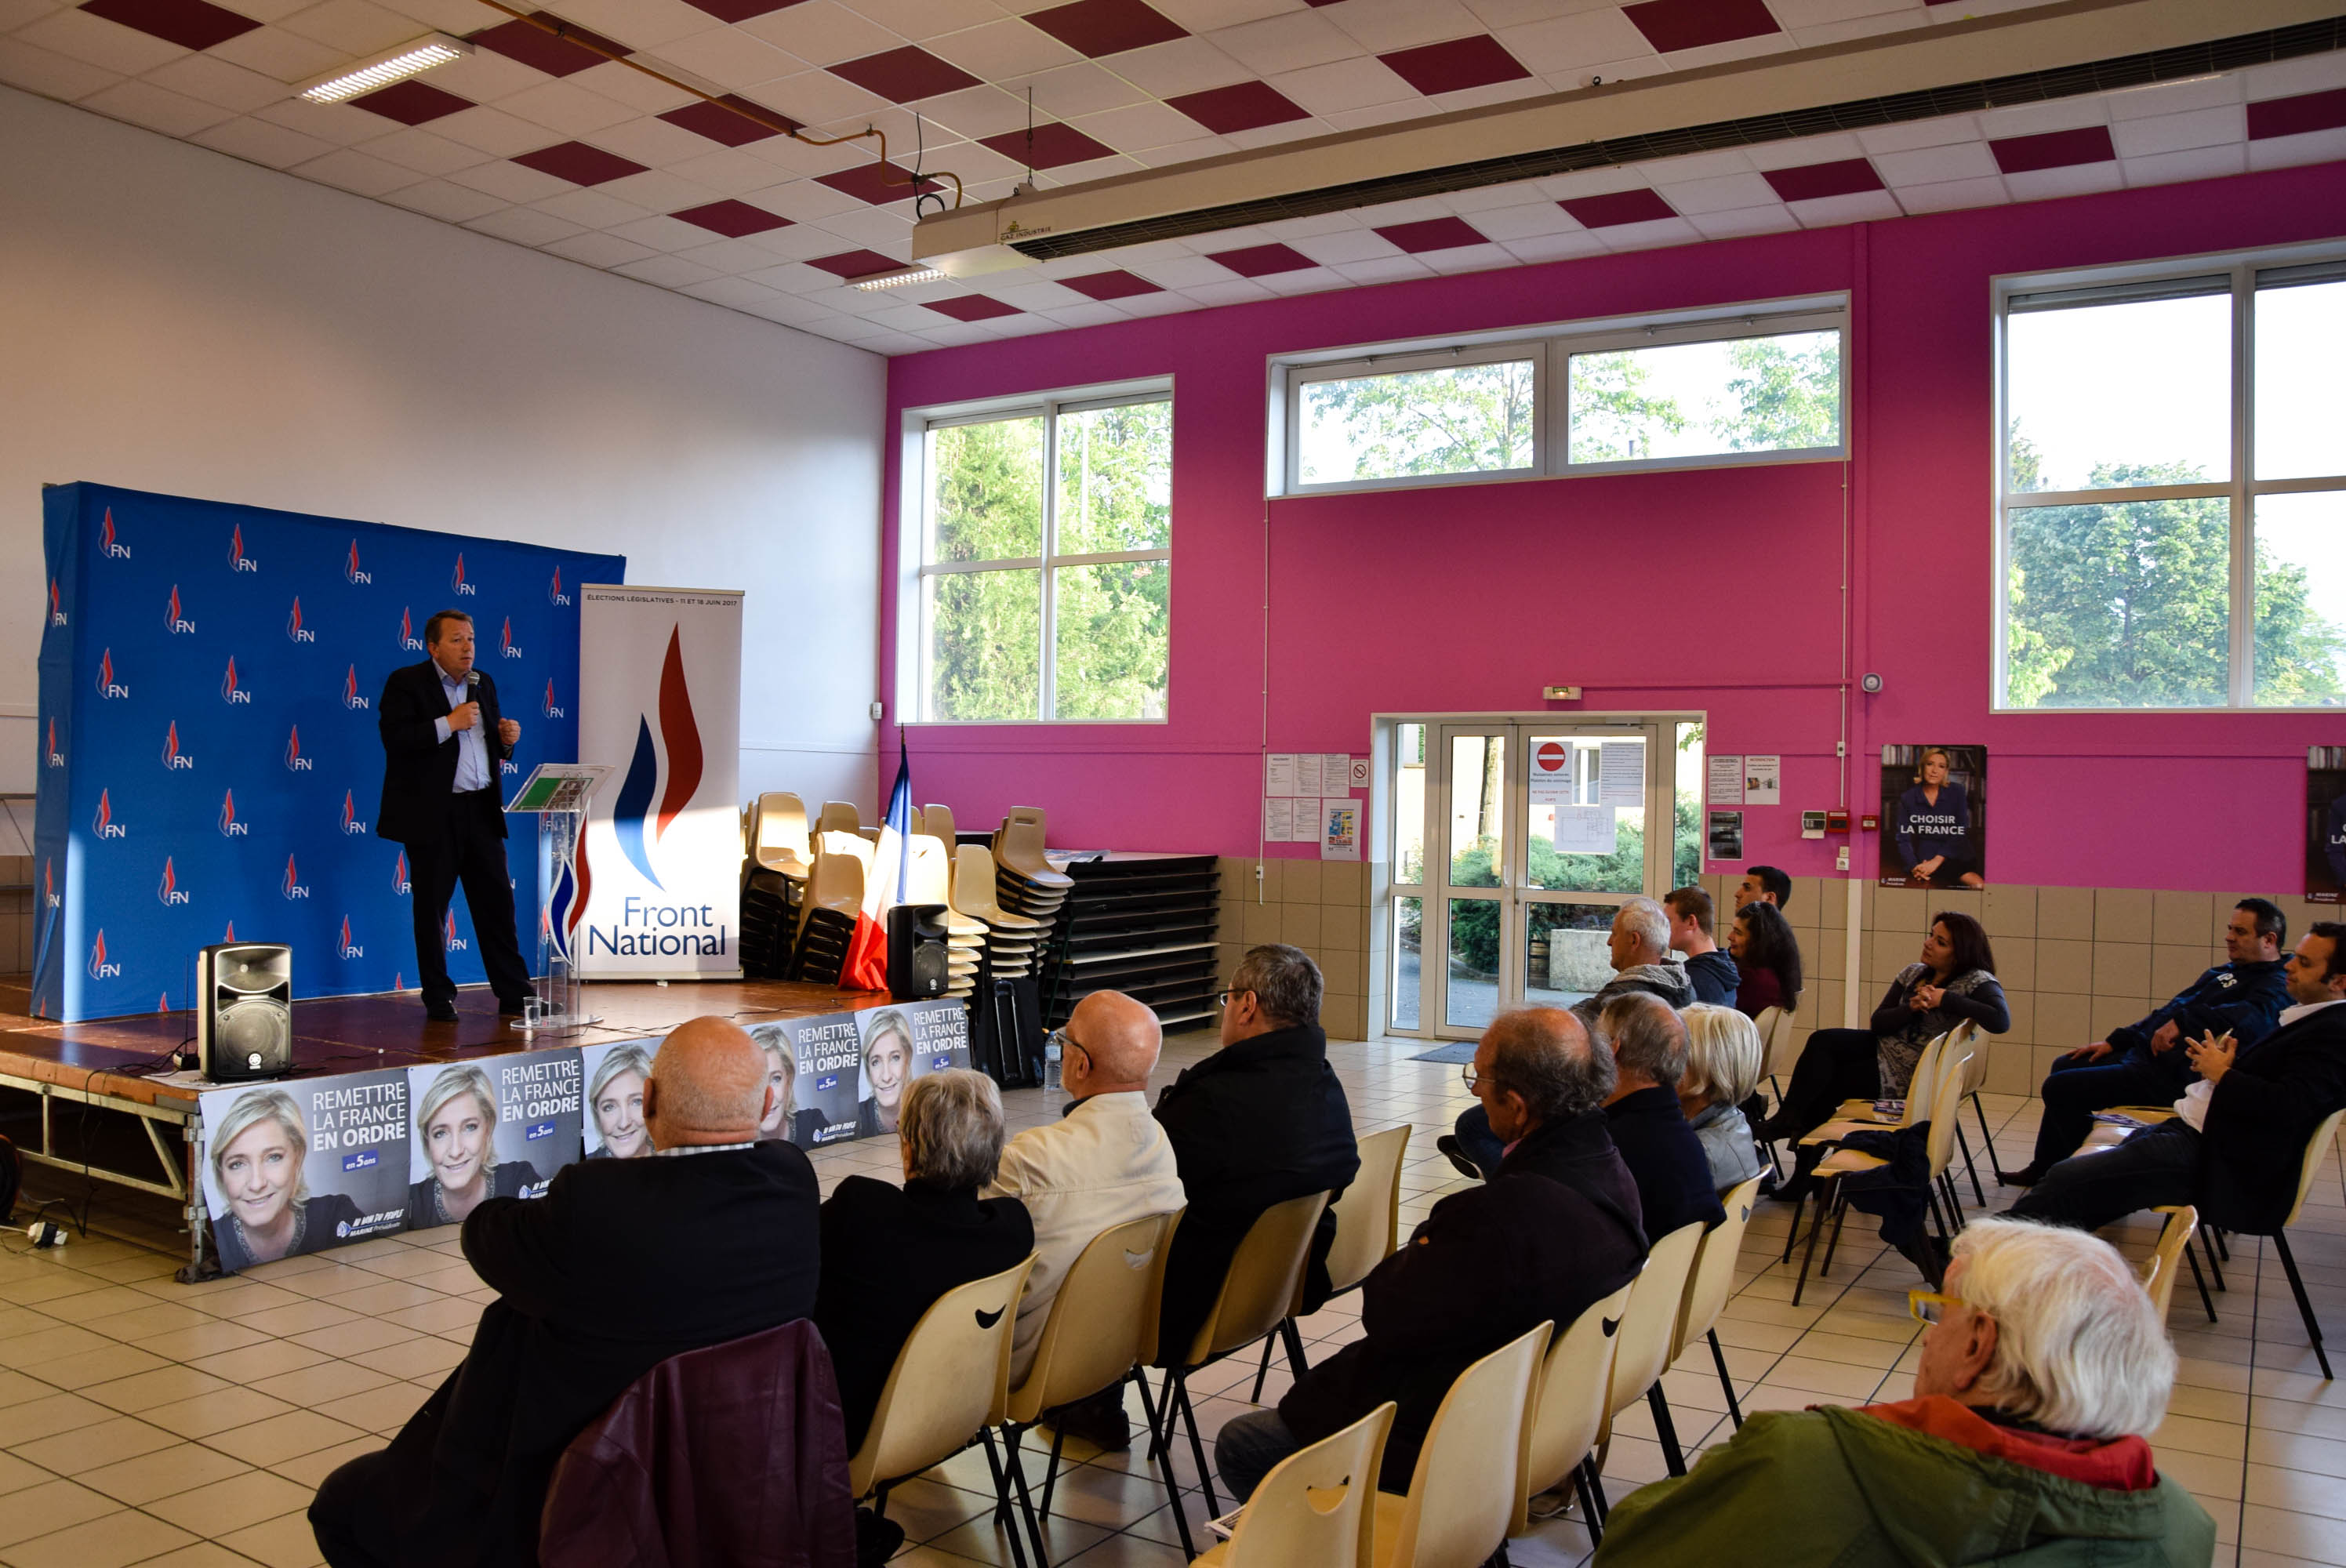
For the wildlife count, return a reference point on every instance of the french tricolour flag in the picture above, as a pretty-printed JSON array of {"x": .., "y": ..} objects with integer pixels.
[{"x": 867, "y": 950}]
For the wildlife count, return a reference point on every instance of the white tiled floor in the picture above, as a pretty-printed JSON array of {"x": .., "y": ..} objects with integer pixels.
[{"x": 142, "y": 1420}]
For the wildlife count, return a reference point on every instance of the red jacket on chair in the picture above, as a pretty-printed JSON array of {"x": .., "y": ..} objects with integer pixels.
[{"x": 734, "y": 1454}]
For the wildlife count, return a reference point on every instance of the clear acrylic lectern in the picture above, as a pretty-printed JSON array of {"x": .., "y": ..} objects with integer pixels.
[{"x": 556, "y": 793}]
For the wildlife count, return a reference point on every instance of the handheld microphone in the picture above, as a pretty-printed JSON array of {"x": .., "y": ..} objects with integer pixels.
[{"x": 473, "y": 678}]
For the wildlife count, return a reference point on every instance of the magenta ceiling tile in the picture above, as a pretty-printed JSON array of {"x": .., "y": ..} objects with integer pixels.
[
  {"x": 1618, "y": 208},
  {"x": 1098, "y": 27},
  {"x": 876, "y": 183},
  {"x": 1475, "y": 61},
  {"x": 190, "y": 23},
  {"x": 1116, "y": 285},
  {"x": 1241, "y": 106},
  {"x": 1261, "y": 261},
  {"x": 722, "y": 125},
  {"x": 2053, "y": 149},
  {"x": 1671, "y": 24},
  {"x": 902, "y": 76},
  {"x": 2295, "y": 116},
  {"x": 733, "y": 219},
  {"x": 740, "y": 10},
  {"x": 578, "y": 163},
  {"x": 855, "y": 263},
  {"x": 410, "y": 102},
  {"x": 533, "y": 46},
  {"x": 1056, "y": 146},
  {"x": 1810, "y": 181},
  {"x": 1433, "y": 234},
  {"x": 973, "y": 308}
]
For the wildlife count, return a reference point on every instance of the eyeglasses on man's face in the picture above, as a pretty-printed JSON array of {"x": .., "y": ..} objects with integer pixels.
[
  {"x": 1224, "y": 998},
  {"x": 1467, "y": 1075}
]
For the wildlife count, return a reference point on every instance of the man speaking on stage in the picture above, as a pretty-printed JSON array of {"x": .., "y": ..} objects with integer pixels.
[{"x": 442, "y": 742}]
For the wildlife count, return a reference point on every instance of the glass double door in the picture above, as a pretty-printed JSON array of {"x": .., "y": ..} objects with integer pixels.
[{"x": 1538, "y": 831}]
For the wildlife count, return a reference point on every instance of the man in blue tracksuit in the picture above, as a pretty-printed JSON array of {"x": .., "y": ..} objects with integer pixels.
[{"x": 2143, "y": 1063}]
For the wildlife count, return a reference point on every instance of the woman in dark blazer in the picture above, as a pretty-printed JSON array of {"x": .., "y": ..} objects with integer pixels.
[{"x": 889, "y": 1252}]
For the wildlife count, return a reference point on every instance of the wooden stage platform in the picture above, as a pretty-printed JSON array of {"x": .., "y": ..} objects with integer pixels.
[{"x": 117, "y": 1076}]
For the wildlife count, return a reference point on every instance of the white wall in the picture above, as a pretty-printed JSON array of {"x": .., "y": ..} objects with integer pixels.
[{"x": 174, "y": 320}]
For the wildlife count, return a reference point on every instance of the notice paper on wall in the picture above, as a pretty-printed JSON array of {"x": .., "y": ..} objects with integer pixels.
[
  {"x": 1307, "y": 775},
  {"x": 1552, "y": 774},
  {"x": 1340, "y": 829},
  {"x": 1763, "y": 781},
  {"x": 1279, "y": 820},
  {"x": 1725, "y": 786},
  {"x": 1336, "y": 773},
  {"x": 1621, "y": 773},
  {"x": 1585, "y": 830},
  {"x": 1357, "y": 768},
  {"x": 1279, "y": 774},
  {"x": 1726, "y": 835}
]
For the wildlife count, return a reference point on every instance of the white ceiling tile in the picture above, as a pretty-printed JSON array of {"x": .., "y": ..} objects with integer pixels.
[
  {"x": 657, "y": 190},
  {"x": 355, "y": 26},
  {"x": 2227, "y": 123},
  {"x": 1497, "y": 13},
  {"x": 1554, "y": 246},
  {"x": 447, "y": 201},
  {"x": 2191, "y": 163},
  {"x": 1820, "y": 13},
  {"x": 1483, "y": 197},
  {"x": 590, "y": 209},
  {"x": 1383, "y": 269},
  {"x": 1274, "y": 136},
  {"x": 14, "y": 14},
  {"x": 1185, "y": 152},
  {"x": 511, "y": 182},
  {"x": 1953, "y": 195},
  {"x": 1090, "y": 169},
  {"x": 822, "y": 32},
  {"x": 1905, "y": 138},
  {"x": 1143, "y": 305},
  {"x": 724, "y": 171},
  {"x": 804, "y": 201},
  {"x": 156, "y": 108},
  {"x": 1935, "y": 165},
  {"x": 424, "y": 153},
  {"x": 1646, "y": 236},
  {"x": 873, "y": 227},
  {"x": 1805, "y": 151},
  {"x": 337, "y": 123},
  {"x": 1238, "y": 237},
  {"x": 1575, "y": 44},
  {"x": 731, "y": 257},
  {"x": 1857, "y": 207},
  {"x": 1467, "y": 258},
  {"x": 81, "y": 35},
  {"x": 665, "y": 270},
  {"x": 1348, "y": 245},
  {"x": 1293, "y": 228},
  {"x": 492, "y": 131},
  {"x": 1236, "y": 292},
  {"x": 459, "y": 17},
  {"x": 2289, "y": 151},
  {"x": 1041, "y": 294},
  {"x": 1084, "y": 314},
  {"x": 1588, "y": 182},
  {"x": 1002, "y": 49},
  {"x": 2288, "y": 78},
  {"x": 259, "y": 141},
  {"x": 662, "y": 233},
  {"x": 739, "y": 293},
  {"x": 1210, "y": 15},
  {"x": 2175, "y": 98},
  {"x": 796, "y": 243},
  {"x": 484, "y": 76},
  {"x": 1864, "y": 27},
  {"x": 522, "y": 227},
  {"x": 791, "y": 310},
  {"x": 814, "y": 98},
  {"x": 2078, "y": 180},
  {"x": 1137, "y": 127},
  {"x": 1151, "y": 250},
  {"x": 654, "y": 143},
  {"x": 1728, "y": 53},
  {"x": 1071, "y": 91},
  {"x": 1511, "y": 223},
  {"x": 1485, "y": 96},
  {"x": 598, "y": 249},
  {"x": 1397, "y": 113},
  {"x": 795, "y": 278},
  {"x": 905, "y": 316},
  {"x": 1723, "y": 194},
  {"x": 1694, "y": 166},
  {"x": 924, "y": 21},
  {"x": 1735, "y": 222},
  {"x": 1286, "y": 43},
  {"x": 274, "y": 52},
  {"x": 1385, "y": 25},
  {"x": 567, "y": 110},
  {"x": 1178, "y": 271},
  {"x": 975, "y": 112},
  {"x": 217, "y": 82},
  {"x": 645, "y": 95},
  {"x": 353, "y": 170},
  {"x": 1344, "y": 84},
  {"x": 1181, "y": 66},
  {"x": 2036, "y": 120},
  {"x": 50, "y": 74},
  {"x": 1385, "y": 214},
  {"x": 731, "y": 58},
  {"x": 650, "y": 25}
]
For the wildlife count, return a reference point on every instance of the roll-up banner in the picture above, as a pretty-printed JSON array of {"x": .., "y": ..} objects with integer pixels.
[{"x": 660, "y": 700}]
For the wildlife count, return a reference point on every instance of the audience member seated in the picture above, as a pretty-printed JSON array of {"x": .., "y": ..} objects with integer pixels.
[
  {"x": 1640, "y": 947},
  {"x": 1954, "y": 984},
  {"x": 1556, "y": 1229},
  {"x": 1103, "y": 1163},
  {"x": 2043, "y": 1371},
  {"x": 1711, "y": 974},
  {"x": 1722, "y": 1071},
  {"x": 2145, "y": 1063},
  {"x": 2237, "y": 1140},
  {"x": 1764, "y": 885},
  {"x": 623, "y": 1264},
  {"x": 1649, "y": 1056},
  {"x": 1768, "y": 957},
  {"x": 1261, "y": 1121}
]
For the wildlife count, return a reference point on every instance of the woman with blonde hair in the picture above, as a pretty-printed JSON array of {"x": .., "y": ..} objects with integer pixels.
[
  {"x": 615, "y": 1102},
  {"x": 456, "y": 1128},
  {"x": 256, "y": 1156},
  {"x": 1722, "y": 1071},
  {"x": 786, "y": 1121}
]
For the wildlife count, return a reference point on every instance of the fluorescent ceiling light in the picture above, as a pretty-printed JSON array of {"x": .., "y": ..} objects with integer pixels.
[
  {"x": 915, "y": 273},
  {"x": 381, "y": 70}
]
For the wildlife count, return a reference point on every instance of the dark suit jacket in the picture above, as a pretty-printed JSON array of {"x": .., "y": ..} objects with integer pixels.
[
  {"x": 419, "y": 768},
  {"x": 1557, "y": 1230},
  {"x": 621, "y": 1265},
  {"x": 1663, "y": 1154},
  {"x": 2259, "y": 1116},
  {"x": 888, "y": 1253},
  {"x": 1253, "y": 1125}
]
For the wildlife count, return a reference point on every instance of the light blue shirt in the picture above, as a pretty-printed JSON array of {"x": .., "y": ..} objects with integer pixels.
[{"x": 472, "y": 746}]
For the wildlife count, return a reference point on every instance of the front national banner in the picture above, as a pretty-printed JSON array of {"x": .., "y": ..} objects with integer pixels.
[{"x": 659, "y": 888}]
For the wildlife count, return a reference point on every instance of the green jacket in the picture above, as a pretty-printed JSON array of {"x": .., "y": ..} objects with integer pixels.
[{"x": 1831, "y": 1486}]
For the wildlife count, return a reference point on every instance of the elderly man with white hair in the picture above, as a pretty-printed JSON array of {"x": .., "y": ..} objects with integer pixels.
[{"x": 2042, "y": 1368}]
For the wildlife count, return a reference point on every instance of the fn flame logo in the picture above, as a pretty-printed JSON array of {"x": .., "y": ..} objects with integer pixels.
[
  {"x": 238, "y": 561},
  {"x": 456, "y": 578},
  {"x": 170, "y": 891},
  {"x": 175, "y": 618},
  {"x": 351, "y": 573},
  {"x": 294, "y": 630}
]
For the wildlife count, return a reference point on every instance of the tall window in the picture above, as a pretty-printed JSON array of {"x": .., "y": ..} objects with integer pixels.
[
  {"x": 1045, "y": 572},
  {"x": 2174, "y": 490}
]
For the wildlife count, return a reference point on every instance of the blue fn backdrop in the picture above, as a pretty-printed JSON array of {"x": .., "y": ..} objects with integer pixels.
[{"x": 209, "y": 761}]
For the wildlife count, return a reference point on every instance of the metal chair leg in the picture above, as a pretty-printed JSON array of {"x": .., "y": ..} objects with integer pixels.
[
  {"x": 1050, "y": 1476},
  {"x": 1666, "y": 1429},
  {"x": 1164, "y": 1466},
  {"x": 1793, "y": 1233},
  {"x": 2304, "y": 1305},
  {"x": 2222, "y": 1246},
  {"x": 1726, "y": 1383},
  {"x": 1263, "y": 1372},
  {"x": 1587, "y": 1502},
  {"x": 2213, "y": 1272},
  {"x": 993, "y": 1462},
  {"x": 1187, "y": 1415},
  {"x": 1296, "y": 1360},
  {"x": 1596, "y": 1486},
  {"x": 1839, "y": 1215},
  {"x": 1809, "y": 1255},
  {"x": 1026, "y": 1504},
  {"x": 2201, "y": 1281},
  {"x": 1987, "y": 1141},
  {"x": 1964, "y": 1146}
]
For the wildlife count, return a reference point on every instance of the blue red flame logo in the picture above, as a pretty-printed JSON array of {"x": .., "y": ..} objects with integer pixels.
[{"x": 633, "y": 814}]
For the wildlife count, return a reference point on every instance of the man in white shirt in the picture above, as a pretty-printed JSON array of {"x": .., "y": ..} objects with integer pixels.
[{"x": 1105, "y": 1162}]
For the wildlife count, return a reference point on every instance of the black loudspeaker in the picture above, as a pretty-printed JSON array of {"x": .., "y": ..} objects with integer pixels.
[
  {"x": 244, "y": 1011},
  {"x": 917, "y": 964}
]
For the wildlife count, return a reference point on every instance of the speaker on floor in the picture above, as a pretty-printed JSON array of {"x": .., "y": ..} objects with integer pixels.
[
  {"x": 918, "y": 965},
  {"x": 244, "y": 1011}
]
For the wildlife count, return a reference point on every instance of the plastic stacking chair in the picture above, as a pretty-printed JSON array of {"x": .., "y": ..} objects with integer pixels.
[
  {"x": 1264, "y": 1276},
  {"x": 1011, "y": 939},
  {"x": 780, "y": 841},
  {"x": 1710, "y": 1283},
  {"x": 937, "y": 822},
  {"x": 1649, "y": 1326},
  {"x": 1974, "y": 1078},
  {"x": 2317, "y": 1146},
  {"x": 1777, "y": 1054},
  {"x": 838, "y": 816},
  {"x": 951, "y": 1382},
  {"x": 1316, "y": 1506},
  {"x": 1858, "y": 1115},
  {"x": 827, "y": 921},
  {"x": 1569, "y": 1410},
  {"x": 1940, "y": 1121},
  {"x": 1461, "y": 1496},
  {"x": 1368, "y": 1229},
  {"x": 2174, "y": 1244},
  {"x": 1101, "y": 1328}
]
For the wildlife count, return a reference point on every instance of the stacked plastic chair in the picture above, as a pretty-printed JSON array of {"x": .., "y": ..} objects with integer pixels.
[
  {"x": 937, "y": 822},
  {"x": 1026, "y": 882},
  {"x": 1011, "y": 939},
  {"x": 834, "y": 892},
  {"x": 839, "y": 817},
  {"x": 928, "y": 879},
  {"x": 773, "y": 883}
]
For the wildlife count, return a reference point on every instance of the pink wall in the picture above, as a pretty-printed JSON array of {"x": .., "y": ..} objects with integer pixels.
[{"x": 1712, "y": 589}]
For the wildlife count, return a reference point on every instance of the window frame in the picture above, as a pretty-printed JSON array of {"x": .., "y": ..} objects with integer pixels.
[
  {"x": 1550, "y": 349},
  {"x": 2119, "y": 284},
  {"x": 917, "y": 534}
]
